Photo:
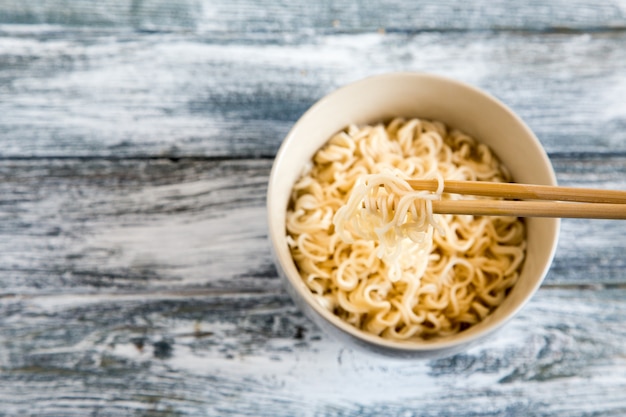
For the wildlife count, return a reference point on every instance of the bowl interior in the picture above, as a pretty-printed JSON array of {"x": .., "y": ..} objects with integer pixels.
[{"x": 379, "y": 99}]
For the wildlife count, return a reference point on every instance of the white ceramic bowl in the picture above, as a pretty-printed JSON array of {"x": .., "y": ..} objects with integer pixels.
[{"x": 379, "y": 99}]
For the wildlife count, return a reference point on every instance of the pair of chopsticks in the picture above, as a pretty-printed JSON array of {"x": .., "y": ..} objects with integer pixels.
[{"x": 539, "y": 200}]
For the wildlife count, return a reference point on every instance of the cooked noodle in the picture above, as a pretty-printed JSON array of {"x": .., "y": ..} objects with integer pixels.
[{"x": 371, "y": 250}]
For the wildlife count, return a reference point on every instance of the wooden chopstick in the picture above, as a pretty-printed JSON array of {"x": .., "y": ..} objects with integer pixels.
[
  {"x": 523, "y": 191},
  {"x": 531, "y": 209},
  {"x": 566, "y": 202}
]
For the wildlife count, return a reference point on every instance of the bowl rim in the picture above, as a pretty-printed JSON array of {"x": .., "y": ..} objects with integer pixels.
[{"x": 288, "y": 270}]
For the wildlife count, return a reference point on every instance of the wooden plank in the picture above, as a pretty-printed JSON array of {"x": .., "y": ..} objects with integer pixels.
[
  {"x": 92, "y": 92},
  {"x": 301, "y": 16},
  {"x": 580, "y": 257},
  {"x": 85, "y": 225},
  {"x": 254, "y": 354},
  {"x": 68, "y": 225}
]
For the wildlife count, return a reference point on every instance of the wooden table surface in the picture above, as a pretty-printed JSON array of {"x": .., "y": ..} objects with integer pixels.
[{"x": 136, "y": 139}]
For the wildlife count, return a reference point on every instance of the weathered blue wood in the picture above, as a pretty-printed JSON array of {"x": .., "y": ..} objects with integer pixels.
[
  {"x": 75, "y": 226},
  {"x": 93, "y": 92},
  {"x": 301, "y": 16},
  {"x": 208, "y": 353},
  {"x": 136, "y": 138}
]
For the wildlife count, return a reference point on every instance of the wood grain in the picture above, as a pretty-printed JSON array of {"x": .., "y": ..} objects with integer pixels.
[
  {"x": 300, "y": 16},
  {"x": 137, "y": 137},
  {"x": 76, "y": 225},
  {"x": 91, "y": 92},
  {"x": 254, "y": 354},
  {"x": 79, "y": 224}
]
